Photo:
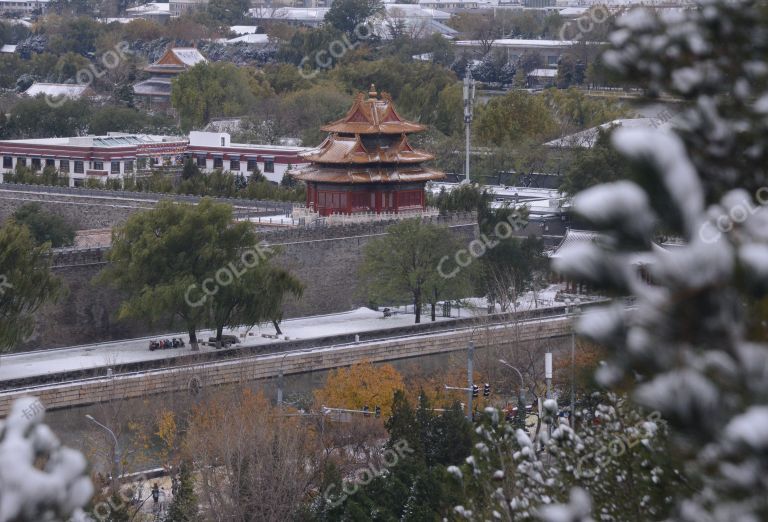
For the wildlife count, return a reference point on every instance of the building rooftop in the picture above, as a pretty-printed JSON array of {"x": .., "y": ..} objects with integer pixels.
[
  {"x": 373, "y": 115},
  {"x": 8, "y": 48},
  {"x": 543, "y": 73},
  {"x": 518, "y": 42},
  {"x": 244, "y": 29},
  {"x": 110, "y": 140},
  {"x": 152, "y": 8},
  {"x": 588, "y": 137},
  {"x": 69, "y": 90},
  {"x": 250, "y": 38}
]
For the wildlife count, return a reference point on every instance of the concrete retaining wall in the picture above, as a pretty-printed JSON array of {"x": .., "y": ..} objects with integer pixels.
[{"x": 259, "y": 367}]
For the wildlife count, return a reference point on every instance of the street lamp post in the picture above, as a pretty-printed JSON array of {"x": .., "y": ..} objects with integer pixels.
[
  {"x": 520, "y": 391},
  {"x": 116, "y": 472},
  {"x": 572, "y": 307}
]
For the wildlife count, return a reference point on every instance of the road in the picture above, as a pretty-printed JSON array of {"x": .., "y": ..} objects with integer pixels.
[{"x": 116, "y": 353}]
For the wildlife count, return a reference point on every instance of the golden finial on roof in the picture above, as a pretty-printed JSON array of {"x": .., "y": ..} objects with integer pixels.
[{"x": 372, "y": 93}]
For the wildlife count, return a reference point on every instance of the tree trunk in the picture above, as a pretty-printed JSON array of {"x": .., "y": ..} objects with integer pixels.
[
  {"x": 219, "y": 331},
  {"x": 417, "y": 309},
  {"x": 193, "y": 340},
  {"x": 434, "y": 306},
  {"x": 277, "y": 327}
]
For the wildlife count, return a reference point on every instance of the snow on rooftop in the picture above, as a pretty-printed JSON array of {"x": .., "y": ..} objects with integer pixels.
[
  {"x": 150, "y": 8},
  {"x": 69, "y": 90},
  {"x": 587, "y": 138},
  {"x": 189, "y": 55},
  {"x": 8, "y": 48},
  {"x": 110, "y": 140},
  {"x": 248, "y": 38},
  {"x": 518, "y": 42},
  {"x": 244, "y": 29},
  {"x": 543, "y": 73}
]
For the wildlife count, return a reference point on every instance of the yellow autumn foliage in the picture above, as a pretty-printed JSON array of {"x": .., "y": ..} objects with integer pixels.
[{"x": 360, "y": 385}]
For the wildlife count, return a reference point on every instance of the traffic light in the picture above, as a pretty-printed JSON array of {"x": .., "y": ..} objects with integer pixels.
[
  {"x": 377, "y": 411},
  {"x": 475, "y": 389},
  {"x": 486, "y": 390},
  {"x": 366, "y": 411}
]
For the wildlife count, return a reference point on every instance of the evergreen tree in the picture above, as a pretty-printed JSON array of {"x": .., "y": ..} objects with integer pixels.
[
  {"x": 184, "y": 507},
  {"x": 190, "y": 170}
]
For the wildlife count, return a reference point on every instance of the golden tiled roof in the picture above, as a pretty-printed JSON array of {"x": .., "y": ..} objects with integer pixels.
[
  {"x": 369, "y": 145},
  {"x": 373, "y": 115},
  {"x": 352, "y": 149}
]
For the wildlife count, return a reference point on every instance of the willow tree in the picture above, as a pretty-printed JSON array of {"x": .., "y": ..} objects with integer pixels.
[
  {"x": 194, "y": 263},
  {"x": 26, "y": 282}
]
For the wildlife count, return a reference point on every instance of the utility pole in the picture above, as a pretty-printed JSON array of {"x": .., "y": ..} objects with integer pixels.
[
  {"x": 469, "y": 98},
  {"x": 470, "y": 354},
  {"x": 548, "y": 377}
]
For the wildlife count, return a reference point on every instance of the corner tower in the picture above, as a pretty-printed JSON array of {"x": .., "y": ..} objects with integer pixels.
[{"x": 366, "y": 163}]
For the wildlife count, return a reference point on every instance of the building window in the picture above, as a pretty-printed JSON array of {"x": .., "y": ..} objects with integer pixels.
[
  {"x": 252, "y": 165},
  {"x": 218, "y": 163},
  {"x": 223, "y": 141},
  {"x": 234, "y": 164},
  {"x": 129, "y": 166},
  {"x": 7, "y": 162},
  {"x": 153, "y": 161},
  {"x": 98, "y": 165},
  {"x": 50, "y": 163},
  {"x": 35, "y": 163},
  {"x": 269, "y": 165},
  {"x": 114, "y": 167},
  {"x": 64, "y": 166},
  {"x": 79, "y": 167},
  {"x": 21, "y": 161},
  {"x": 141, "y": 163},
  {"x": 201, "y": 161}
]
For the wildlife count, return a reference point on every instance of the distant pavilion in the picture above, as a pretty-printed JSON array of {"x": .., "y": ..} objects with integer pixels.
[
  {"x": 155, "y": 92},
  {"x": 366, "y": 163}
]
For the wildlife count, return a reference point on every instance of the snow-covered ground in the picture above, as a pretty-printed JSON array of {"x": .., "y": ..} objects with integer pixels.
[{"x": 116, "y": 353}]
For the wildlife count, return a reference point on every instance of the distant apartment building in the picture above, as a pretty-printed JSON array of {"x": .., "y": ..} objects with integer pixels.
[
  {"x": 449, "y": 4},
  {"x": 155, "y": 92},
  {"x": 214, "y": 150},
  {"x": 179, "y": 7},
  {"x": 23, "y": 7},
  {"x": 118, "y": 155},
  {"x": 153, "y": 11},
  {"x": 101, "y": 157},
  {"x": 539, "y": 3},
  {"x": 550, "y": 50}
]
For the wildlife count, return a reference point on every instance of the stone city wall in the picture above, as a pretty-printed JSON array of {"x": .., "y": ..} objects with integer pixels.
[
  {"x": 196, "y": 376},
  {"x": 325, "y": 259}
]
